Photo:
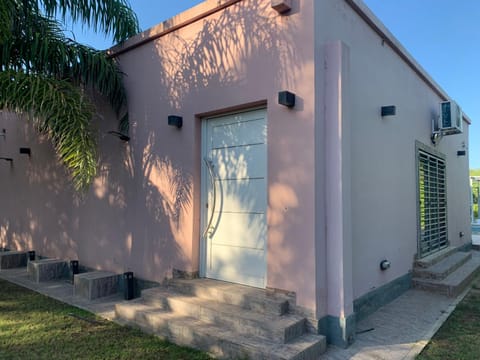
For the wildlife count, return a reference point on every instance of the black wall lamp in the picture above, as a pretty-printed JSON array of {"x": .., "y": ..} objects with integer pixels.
[
  {"x": 25, "y": 151},
  {"x": 281, "y": 6},
  {"x": 121, "y": 136},
  {"x": 389, "y": 110},
  {"x": 286, "y": 98},
  {"x": 175, "y": 120},
  {"x": 3, "y": 133},
  {"x": 461, "y": 153}
]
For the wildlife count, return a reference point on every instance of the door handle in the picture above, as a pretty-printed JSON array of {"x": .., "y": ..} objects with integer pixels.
[{"x": 211, "y": 174}]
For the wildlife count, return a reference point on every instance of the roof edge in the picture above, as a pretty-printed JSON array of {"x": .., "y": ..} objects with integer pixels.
[
  {"x": 185, "y": 18},
  {"x": 375, "y": 23},
  {"x": 209, "y": 7}
]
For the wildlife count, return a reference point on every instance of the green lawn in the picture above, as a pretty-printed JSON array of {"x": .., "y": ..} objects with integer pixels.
[
  {"x": 459, "y": 337},
  {"x": 33, "y": 326}
]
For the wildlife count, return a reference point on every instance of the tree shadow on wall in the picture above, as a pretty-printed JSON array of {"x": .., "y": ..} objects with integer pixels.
[
  {"x": 142, "y": 211},
  {"x": 227, "y": 51}
]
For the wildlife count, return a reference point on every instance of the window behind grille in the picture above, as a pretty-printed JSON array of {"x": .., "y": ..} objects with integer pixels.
[{"x": 432, "y": 194}]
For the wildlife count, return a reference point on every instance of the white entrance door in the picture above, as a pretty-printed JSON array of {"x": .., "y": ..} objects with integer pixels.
[{"x": 235, "y": 197}]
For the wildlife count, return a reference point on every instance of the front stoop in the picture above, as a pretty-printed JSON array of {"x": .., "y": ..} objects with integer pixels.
[
  {"x": 227, "y": 320},
  {"x": 448, "y": 275}
]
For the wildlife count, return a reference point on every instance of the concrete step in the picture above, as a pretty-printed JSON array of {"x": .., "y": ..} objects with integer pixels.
[
  {"x": 249, "y": 298},
  {"x": 443, "y": 268},
  {"x": 222, "y": 342},
  {"x": 455, "y": 283},
  {"x": 435, "y": 257},
  {"x": 282, "y": 328}
]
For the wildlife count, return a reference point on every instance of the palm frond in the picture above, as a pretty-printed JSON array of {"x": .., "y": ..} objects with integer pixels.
[
  {"x": 7, "y": 9},
  {"x": 42, "y": 72},
  {"x": 45, "y": 49},
  {"x": 61, "y": 111},
  {"x": 113, "y": 17}
]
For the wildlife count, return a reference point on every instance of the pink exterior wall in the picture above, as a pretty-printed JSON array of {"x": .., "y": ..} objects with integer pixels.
[
  {"x": 142, "y": 213},
  {"x": 242, "y": 55}
]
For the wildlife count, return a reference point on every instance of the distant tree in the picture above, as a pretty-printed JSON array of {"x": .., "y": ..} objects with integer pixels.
[
  {"x": 45, "y": 75},
  {"x": 475, "y": 192}
]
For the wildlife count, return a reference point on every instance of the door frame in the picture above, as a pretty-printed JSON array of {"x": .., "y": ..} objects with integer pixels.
[{"x": 204, "y": 181}]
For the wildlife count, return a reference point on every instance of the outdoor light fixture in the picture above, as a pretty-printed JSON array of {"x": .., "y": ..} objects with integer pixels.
[
  {"x": 175, "y": 120},
  {"x": 31, "y": 255},
  {"x": 128, "y": 285},
  {"x": 75, "y": 269},
  {"x": 286, "y": 98},
  {"x": 461, "y": 153},
  {"x": 389, "y": 110},
  {"x": 281, "y": 6},
  {"x": 436, "y": 137},
  {"x": 119, "y": 135},
  {"x": 74, "y": 266},
  {"x": 384, "y": 265},
  {"x": 3, "y": 133},
  {"x": 25, "y": 151}
]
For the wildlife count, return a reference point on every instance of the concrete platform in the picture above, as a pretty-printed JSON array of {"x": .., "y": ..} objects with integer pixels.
[
  {"x": 12, "y": 259},
  {"x": 399, "y": 330},
  {"x": 47, "y": 270},
  {"x": 95, "y": 284},
  {"x": 436, "y": 257}
]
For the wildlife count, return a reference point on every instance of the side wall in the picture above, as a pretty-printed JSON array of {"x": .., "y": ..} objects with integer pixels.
[{"x": 383, "y": 164}]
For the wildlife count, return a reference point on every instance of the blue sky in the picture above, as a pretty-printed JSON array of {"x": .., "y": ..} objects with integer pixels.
[{"x": 442, "y": 35}]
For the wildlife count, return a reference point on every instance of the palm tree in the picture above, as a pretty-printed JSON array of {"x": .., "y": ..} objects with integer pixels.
[{"x": 46, "y": 75}]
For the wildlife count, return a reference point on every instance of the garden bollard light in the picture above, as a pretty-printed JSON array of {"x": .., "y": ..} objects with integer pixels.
[{"x": 128, "y": 285}]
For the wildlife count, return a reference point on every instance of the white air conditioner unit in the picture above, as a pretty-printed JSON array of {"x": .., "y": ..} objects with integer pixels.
[{"x": 451, "y": 119}]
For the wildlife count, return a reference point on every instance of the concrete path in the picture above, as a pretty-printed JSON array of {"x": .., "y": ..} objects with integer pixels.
[
  {"x": 63, "y": 291},
  {"x": 398, "y": 330}
]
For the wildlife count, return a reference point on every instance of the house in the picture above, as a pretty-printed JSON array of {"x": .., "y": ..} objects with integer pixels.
[{"x": 259, "y": 155}]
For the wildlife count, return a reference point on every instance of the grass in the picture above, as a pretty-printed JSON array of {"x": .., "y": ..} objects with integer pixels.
[
  {"x": 459, "y": 336},
  {"x": 33, "y": 326}
]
